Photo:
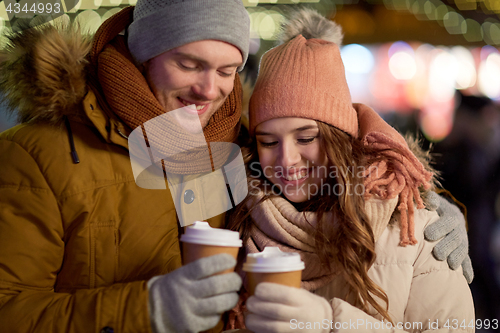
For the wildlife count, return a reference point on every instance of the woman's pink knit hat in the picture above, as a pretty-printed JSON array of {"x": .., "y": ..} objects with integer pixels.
[{"x": 285, "y": 89}]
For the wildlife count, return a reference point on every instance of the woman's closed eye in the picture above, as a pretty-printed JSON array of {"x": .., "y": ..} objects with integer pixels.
[
  {"x": 306, "y": 140},
  {"x": 268, "y": 144}
]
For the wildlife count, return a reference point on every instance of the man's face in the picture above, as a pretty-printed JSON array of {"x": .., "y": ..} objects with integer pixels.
[{"x": 200, "y": 73}]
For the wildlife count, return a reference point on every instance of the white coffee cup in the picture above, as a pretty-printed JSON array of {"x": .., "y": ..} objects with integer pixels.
[
  {"x": 273, "y": 265},
  {"x": 201, "y": 240}
]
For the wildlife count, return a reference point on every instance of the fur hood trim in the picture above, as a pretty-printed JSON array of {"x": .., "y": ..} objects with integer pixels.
[
  {"x": 311, "y": 24},
  {"x": 425, "y": 157},
  {"x": 42, "y": 71}
]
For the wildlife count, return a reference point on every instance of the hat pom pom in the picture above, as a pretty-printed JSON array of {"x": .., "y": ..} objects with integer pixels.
[{"x": 311, "y": 24}]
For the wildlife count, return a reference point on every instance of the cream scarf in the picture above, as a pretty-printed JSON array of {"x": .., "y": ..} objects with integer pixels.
[{"x": 276, "y": 222}]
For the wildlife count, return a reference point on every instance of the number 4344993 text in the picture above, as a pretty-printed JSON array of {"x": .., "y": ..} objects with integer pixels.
[{"x": 35, "y": 8}]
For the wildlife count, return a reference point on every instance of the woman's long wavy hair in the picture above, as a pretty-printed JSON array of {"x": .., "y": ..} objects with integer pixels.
[{"x": 343, "y": 242}]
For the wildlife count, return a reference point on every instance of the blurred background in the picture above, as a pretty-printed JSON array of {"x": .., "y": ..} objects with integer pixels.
[{"x": 430, "y": 67}]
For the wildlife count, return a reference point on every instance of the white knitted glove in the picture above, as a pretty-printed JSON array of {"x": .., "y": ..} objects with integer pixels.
[
  {"x": 455, "y": 245},
  {"x": 191, "y": 298},
  {"x": 278, "y": 308}
]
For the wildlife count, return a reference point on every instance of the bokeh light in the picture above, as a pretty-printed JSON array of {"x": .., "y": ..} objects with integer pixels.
[
  {"x": 267, "y": 27},
  {"x": 474, "y": 31},
  {"x": 111, "y": 3},
  {"x": 466, "y": 76},
  {"x": 89, "y": 4},
  {"x": 110, "y": 13},
  {"x": 454, "y": 23},
  {"x": 357, "y": 59},
  {"x": 398, "y": 47},
  {"x": 435, "y": 124},
  {"x": 358, "y": 63},
  {"x": 489, "y": 76},
  {"x": 264, "y": 23},
  {"x": 430, "y": 10},
  {"x": 402, "y": 65},
  {"x": 89, "y": 21},
  {"x": 442, "y": 75}
]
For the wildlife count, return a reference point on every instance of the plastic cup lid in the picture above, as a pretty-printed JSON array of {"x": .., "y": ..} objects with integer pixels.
[
  {"x": 273, "y": 260},
  {"x": 203, "y": 233}
]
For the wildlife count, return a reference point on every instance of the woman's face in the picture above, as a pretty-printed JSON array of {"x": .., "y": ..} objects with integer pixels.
[{"x": 291, "y": 156}]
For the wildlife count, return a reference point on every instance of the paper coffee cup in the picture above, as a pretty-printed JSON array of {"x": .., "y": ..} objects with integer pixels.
[
  {"x": 201, "y": 240},
  {"x": 273, "y": 265}
]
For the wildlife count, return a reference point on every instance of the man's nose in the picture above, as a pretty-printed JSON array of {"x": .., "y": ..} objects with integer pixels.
[{"x": 206, "y": 87}]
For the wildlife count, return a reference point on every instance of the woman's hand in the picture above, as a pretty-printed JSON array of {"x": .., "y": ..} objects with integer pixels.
[{"x": 278, "y": 308}]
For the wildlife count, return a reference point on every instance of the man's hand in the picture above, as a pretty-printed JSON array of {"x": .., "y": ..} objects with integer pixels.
[
  {"x": 278, "y": 308},
  {"x": 455, "y": 245},
  {"x": 192, "y": 298}
]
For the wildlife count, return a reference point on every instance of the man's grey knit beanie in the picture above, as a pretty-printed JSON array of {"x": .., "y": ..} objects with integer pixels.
[{"x": 161, "y": 25}]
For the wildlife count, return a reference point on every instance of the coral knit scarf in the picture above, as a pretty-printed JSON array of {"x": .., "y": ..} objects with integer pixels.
[
  {"x": 393, "y": 170},
  {"x": 129, "y": 96}
]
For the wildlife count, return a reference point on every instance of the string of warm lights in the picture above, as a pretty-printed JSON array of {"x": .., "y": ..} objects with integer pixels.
[{"x": 452, "y": 20}]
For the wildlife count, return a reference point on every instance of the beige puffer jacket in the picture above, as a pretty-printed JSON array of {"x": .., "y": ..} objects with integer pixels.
[{"x": 424, "y": 294}]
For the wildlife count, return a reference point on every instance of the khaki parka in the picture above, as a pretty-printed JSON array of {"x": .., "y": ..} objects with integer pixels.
[{"x": 78, "y": 241}]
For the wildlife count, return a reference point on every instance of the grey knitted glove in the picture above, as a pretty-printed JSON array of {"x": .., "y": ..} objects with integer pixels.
[
  {"x": 278, "y": 308},
  {"x": 455, "y": 245},
  {"x": 191, "y": 298}
]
